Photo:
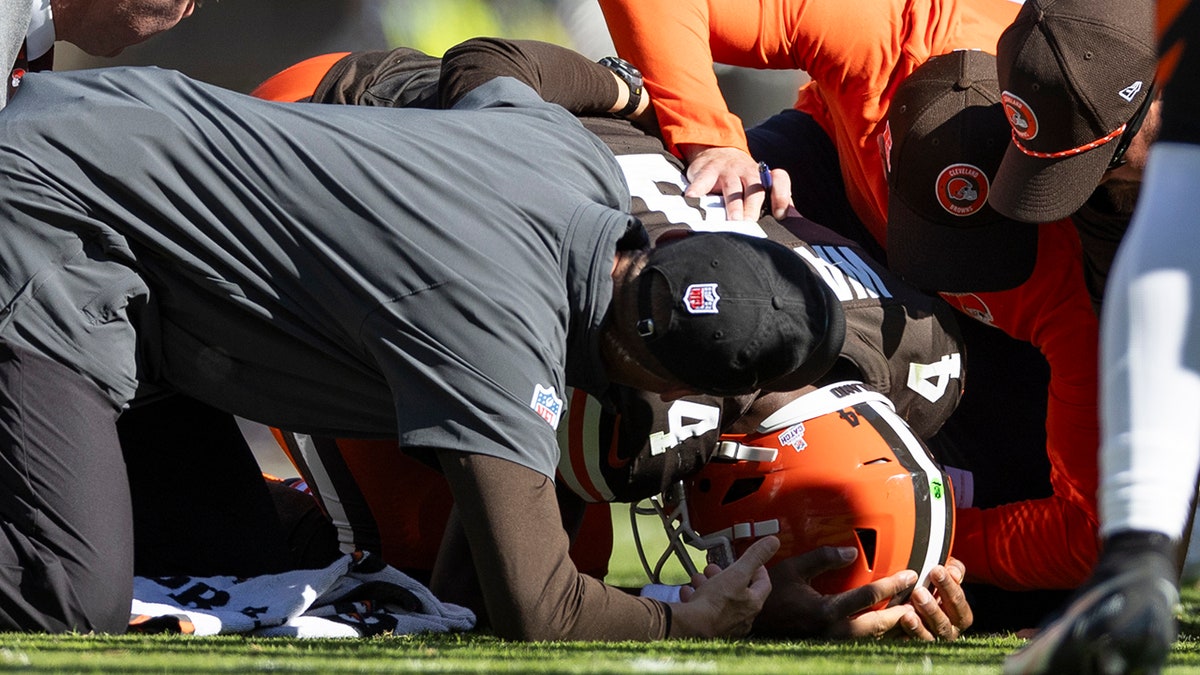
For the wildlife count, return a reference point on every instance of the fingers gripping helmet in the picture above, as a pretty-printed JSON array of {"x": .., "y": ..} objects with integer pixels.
[{"x": 836, "y": 467}]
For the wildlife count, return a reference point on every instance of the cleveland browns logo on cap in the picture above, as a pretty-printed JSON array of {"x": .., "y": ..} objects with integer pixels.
[
  {"x": 962, "y": 189},
  {"x": 972, "y": 305},
  {"x": 1020, "y": 116},
  {"x": 701, "y": 299}
]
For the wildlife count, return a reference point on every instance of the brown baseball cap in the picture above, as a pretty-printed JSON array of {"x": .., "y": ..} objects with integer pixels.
[
  {"x": 1075, "y": 78},
  {"x": 945, "y": 137}
]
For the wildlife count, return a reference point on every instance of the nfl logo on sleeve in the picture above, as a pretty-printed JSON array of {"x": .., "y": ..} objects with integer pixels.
[{"x": 547, "y": 404}]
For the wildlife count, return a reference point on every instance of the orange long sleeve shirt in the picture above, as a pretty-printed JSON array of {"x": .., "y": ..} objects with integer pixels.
[
  {"x": 1050, "y": 542},
  {"x": 855, "y": 52}
]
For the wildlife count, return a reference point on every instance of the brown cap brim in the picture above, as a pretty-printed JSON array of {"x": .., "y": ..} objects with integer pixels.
[
  {"x": 1036, "y": 190},
  {"x": 995, "y": 256}
]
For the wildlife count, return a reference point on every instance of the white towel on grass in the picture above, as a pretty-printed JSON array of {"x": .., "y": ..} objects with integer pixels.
[{"x": 358, "y": 595}]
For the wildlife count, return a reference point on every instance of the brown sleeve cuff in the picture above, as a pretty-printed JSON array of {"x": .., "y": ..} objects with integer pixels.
[{"x": 531, "y": 589}]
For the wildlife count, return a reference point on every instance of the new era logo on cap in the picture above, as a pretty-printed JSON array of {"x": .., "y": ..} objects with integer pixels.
[{"x": 1129, "y": 92}]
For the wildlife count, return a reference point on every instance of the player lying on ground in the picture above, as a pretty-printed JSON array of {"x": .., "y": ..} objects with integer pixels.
[
  {"x": 895, "y": 332},
  {"x": 317, "y": 269}
]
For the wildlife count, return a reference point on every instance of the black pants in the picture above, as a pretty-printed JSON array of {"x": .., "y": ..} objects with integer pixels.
[
  {"x": 75, "y": 524},
  {"x": 66, "y": 530},
  {"x": 200, "y": 504}
]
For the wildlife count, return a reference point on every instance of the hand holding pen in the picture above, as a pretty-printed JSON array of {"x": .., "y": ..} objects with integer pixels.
[
  {"x": 764, "y": 177},
  {"x": 777, "y": 191}
]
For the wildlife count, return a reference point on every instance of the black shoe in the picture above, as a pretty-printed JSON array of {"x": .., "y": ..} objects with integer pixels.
[{"x": 1118, "y": 624}]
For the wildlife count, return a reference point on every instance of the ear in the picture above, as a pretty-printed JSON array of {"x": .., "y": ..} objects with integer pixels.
[
  {"x": 673, "y": 235},
  {"x": 676, "y": 392}
]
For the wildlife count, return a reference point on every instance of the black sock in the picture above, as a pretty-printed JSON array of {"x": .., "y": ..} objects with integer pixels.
[{"x": 1122, "y": 549}]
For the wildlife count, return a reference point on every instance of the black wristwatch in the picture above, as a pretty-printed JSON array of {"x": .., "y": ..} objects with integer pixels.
[{"x": 631, "y": 76}]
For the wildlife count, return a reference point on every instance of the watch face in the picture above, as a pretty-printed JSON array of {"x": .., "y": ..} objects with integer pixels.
[
  {"x": 625, "y": 69},
  {"x": 631, "y": 76}
]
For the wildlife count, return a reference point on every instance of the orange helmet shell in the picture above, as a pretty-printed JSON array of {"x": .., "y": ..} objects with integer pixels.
[{"x": 836, "y": 467}]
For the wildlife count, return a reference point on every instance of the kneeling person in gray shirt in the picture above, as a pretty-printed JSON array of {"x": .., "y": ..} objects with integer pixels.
[{"x": 439, "y": 277}]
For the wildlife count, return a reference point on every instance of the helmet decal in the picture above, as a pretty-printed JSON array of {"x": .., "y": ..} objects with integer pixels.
[
  {"x": 793, "y": 437},
  {"x": 962, "y": 189},
  {"x": 1020, "y": 116}
]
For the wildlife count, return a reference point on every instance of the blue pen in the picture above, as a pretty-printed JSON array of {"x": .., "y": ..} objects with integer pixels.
[{"x": 764, "y": 177}]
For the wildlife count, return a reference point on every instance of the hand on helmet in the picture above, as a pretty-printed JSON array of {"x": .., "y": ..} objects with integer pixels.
[
  {"x": 944, "y": 613},
  {"x": 796, "y": 609},
  {"x": 723, "y": 603}
]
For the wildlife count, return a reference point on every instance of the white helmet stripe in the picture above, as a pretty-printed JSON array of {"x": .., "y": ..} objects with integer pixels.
[
  {"x": 824, "y": 400},
  {"x": 932, "y": 514}
]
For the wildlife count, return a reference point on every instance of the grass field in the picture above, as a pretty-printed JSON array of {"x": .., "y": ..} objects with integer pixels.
[{"x": 485, "y": 654}]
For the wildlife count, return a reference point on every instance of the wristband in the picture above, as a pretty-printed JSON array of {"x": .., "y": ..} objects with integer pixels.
[
  {"x": 661, "y": 592},
  {"x": 630, "y": 76}
]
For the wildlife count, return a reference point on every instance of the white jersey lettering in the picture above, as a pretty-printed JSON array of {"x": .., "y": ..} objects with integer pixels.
[
  {"x": 930, "y": 380},
  {"x": 704, "y": 418},
  {"x": 660, "y": 186},
  {"x": 850, "y": 277}
]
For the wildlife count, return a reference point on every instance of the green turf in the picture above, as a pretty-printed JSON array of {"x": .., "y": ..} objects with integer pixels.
[{"x": 484, "y": 654}]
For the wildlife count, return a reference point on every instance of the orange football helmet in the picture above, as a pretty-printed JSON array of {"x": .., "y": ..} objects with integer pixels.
[{"x": 836, "y": 467}]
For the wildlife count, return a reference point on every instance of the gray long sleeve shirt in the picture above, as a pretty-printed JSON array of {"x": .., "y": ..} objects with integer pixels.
[{"x": 316, "y": 268}]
